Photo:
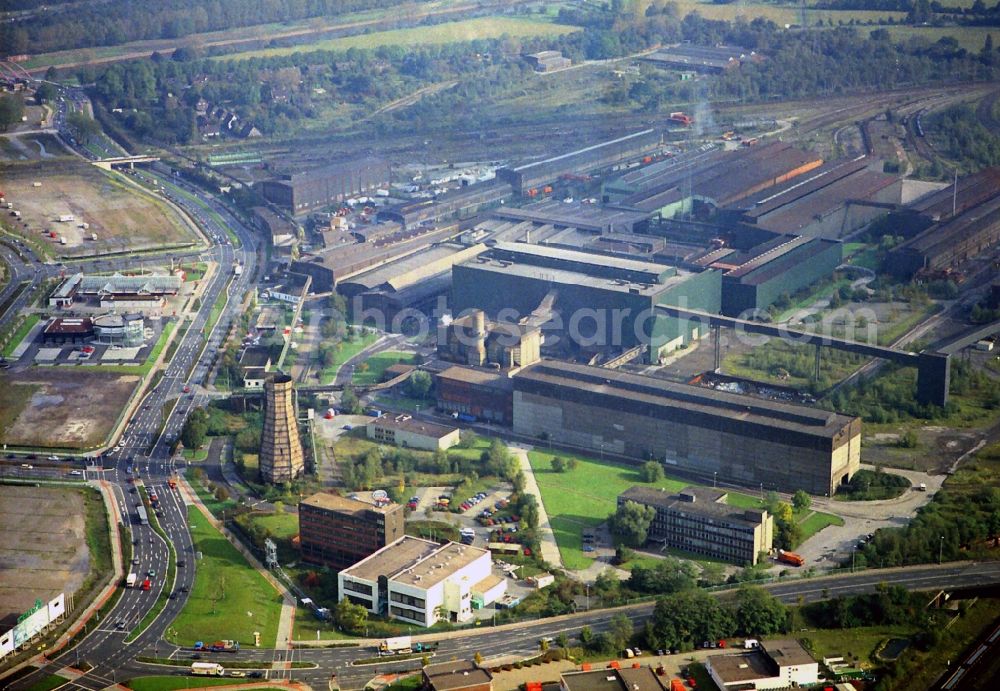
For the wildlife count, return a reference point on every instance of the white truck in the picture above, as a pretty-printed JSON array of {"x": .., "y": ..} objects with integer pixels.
[
  {"x": 399, "y": 645},
  {"x": 207, "y": 669},
  {"x": 130, "y": 580}
]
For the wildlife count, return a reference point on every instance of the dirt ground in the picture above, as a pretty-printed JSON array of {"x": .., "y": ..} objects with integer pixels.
[
  {"x": 61, "y": 406},
  {"x": 121, "y": 218},
  {"x": 43, "y": 546}
]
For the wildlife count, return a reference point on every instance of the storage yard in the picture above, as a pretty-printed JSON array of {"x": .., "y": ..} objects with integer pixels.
[
  {"x": 60, "y": 407},
  {"x": 94, "y": 212}
]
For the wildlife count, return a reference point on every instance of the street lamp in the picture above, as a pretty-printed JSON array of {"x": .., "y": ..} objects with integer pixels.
[
  {"x": 941, "y": 550},
  {"x": 715, "y": 475}
]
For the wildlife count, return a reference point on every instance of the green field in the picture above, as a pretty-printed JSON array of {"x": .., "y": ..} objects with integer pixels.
[
  {"x": 584, "y": 497},
  {"x": 20, "y": 333},
  {"x": 53, "y": 681},
  {"x": 790, "y": 14},
  {"x": 230, "y": 599},
  {"x": 969, "y": 37},
  {"x": 348, "y": 349},
  {"x": 377, "y": 365},
  {"x": 448, "y": 32},
  {"x": 306, "y": 626},
  {"x": 283, "y": 526},
  {"x": 180, "y": 682}
]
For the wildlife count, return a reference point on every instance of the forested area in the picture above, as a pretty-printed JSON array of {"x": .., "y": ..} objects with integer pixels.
[
  {"x": 960, "y": 135},
  {"x": 280, "y": 94},
  {"x": 118, "y": 21},
  {"x": 961, "y": 522}
]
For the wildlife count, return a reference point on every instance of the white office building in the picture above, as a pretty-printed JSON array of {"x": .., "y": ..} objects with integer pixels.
[
  {"x": 780, "y": 664},
  {"x": 420, "y": 582}
]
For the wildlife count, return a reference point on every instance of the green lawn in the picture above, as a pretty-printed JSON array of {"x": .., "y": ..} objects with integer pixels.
[
  {"x": 348, "y": 349},
  {"x": 855, "y": 645},
  {"x": 448, "y": 32},
  {"x": 816, "y": 521},
  {"x": 378, "y": 364},
  {"x": 179, "y": 682},
  {"x": 50, "y": 682},
  {"x": 20, "y": 333},
  {"x": 283, "y": 526},
  {"x": 306, "y": 626},
  {"x": 585, "y": 497},
  {"x": 229, "y": 600}
]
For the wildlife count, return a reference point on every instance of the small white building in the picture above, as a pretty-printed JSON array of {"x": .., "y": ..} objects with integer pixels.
[
  {"x": 405, "y": 431},
  {"x": 774, "y": 665},
  {"x": 424, "y": 581}
]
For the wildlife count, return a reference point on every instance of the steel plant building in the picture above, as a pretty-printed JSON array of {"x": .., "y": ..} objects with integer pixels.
[
  {"x": 746, "y": 441},
  {"x": 755, "y": 279},
  {"x": 339, "y": 531},
  {"x": 281, "y": 457},
  {"x": 302, "y": 193},
  {"x": 535, "y": 281},
  {"x": 698, "y": 520},
  {"x": 607, "y": 154}
]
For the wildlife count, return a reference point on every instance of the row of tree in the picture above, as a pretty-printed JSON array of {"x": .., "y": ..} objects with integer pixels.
[{"x": 109, "y": 24}]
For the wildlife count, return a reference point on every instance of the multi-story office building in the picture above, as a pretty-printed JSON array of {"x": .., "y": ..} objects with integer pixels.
[
  {"x": 419, "y": 581},
  {"x": 698, "y": 520},
  {"x": 337, "y": 531}
]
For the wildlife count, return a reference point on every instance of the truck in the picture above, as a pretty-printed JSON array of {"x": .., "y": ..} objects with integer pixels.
[
  {"x": 224, "y": 646},
  {"x": 464, "y": 417},
  {"x": 130, "y": 580},
  {"x": 237, "y": 270},
  {"x": 395, "y": 646},
  {"x": 207, "y": 669},
  {"x": 790, "y": 558}
]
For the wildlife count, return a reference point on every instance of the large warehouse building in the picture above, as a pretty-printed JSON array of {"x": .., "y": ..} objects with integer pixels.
[
  {"x": 950, "y": 242},
  {"x": 585, "y": 302},
  {"x": 615, "y": 152},
  {"x": 311, "y": 190},
  {"x": 755, "y": 279},
  {"x": 747, "y": 441}
]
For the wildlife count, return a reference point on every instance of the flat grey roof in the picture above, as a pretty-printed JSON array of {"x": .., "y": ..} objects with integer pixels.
[
  {"x": 733, "y": 668},
  {"x": 787, "y": 651},
  {"x": 619, "y": 140},
  {"x": 708, "y": 502},
  {"x": 457, "y": 674},
  {"x": 335, "y": 502},
  {"x": 415, "y": 561},
  {"x": 413, "y": 426},
  {"x": 636, "y": 388},
  {"x": 391, "y": 559},
  {"x": 477, "y": 375}
]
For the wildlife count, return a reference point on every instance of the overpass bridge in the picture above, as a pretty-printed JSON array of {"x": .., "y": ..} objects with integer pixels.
[
  {"x": 933, "y": 367},
  {"x": 118, "y": 161}
]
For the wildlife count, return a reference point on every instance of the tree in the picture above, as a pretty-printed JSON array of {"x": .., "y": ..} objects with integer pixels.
[
  {"x": 349, "y": 401},
  {"x": 11, "y": 110},
  {"x": 801, "y": 500},
  {"x": 195, "y": 429},
  {"x": 221, "y": 493},
  {"x": 651, "y": 471},
  {"x": 689, "y": 617},
  {"x": 572, "y": 463},
  {"x": 478, "y": 658},
  {"x": 630, "y": 523},
  {"x": 558, "y": 464},
  {"x": 85, "y": 129},
  {"x": 620, "y": 630},
  {"x": 758, "y": 613},
  {"x": 987, "y": 54},
  {"x": 349, "y": 616},
  {"x": 419, "y": 384}
]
